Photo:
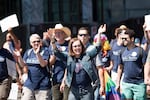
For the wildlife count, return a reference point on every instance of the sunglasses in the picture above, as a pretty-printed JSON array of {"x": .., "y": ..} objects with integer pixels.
[
  {"x": 36, "y": 41},
  {"x": 124, "y": 38},
  {"x": 83, "y": 35}
]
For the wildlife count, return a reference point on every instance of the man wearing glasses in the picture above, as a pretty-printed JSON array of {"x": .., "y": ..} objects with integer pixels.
[
  {"x": 84, "y": 36},
  {"x": 37, "y": 85}
]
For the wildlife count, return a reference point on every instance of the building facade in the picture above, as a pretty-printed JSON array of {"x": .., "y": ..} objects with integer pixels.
[{"x": 35, "y": 13}]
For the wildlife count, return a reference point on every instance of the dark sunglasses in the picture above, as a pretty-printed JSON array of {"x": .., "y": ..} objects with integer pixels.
[
  {"x": 83, "y": 34},
  {"x": 36, "y": 41},
  {"x": 124, "y": 38}
]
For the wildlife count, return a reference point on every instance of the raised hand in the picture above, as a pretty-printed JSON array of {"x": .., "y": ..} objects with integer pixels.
[
  {"x": 102, "y": 28},
  {"x": 38, "y": 49},
  {"x": 51, "y": 33},
  {"x": 17, "y": 52}
]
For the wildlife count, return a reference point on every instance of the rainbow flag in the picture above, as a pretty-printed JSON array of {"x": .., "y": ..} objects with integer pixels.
[{"x": 110, "y": 91}]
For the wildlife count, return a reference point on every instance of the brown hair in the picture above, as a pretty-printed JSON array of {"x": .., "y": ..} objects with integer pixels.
[
  {"x": 71, "y": 53},
  {"x": 130, "y": 32},
  {"x": 84, "y": 28}
]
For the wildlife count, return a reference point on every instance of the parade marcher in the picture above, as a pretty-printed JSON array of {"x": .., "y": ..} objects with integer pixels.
[
  {"x": 116, "y": 48},
  {"x": 59, "y": 90},
  {"x": 104, "y": 63},
  {"x": 11, "y": 44},
  {"x": 5, "y": 78},
  {"x": 131, "y": 63},
  {"x": 80, "y": 73},
  {"x": 37, "y": 84}
]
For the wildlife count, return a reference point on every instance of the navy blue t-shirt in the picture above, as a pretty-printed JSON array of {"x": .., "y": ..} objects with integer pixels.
[
  {"x": 60, "y": 65},
  {"x": 116, "y": 49},
  {"x": 80, "y": 76},
  {"x": 4, "y": 55},
  {"x": 105, "y": 59},
  {"x": 38, "y": 77},
  {"x": 133, "y": 62}
]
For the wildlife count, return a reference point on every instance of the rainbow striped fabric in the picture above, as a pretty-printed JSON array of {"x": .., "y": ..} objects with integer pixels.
[{"x": 110, "y": 91}]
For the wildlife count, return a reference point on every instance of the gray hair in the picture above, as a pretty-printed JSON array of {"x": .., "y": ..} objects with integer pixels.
[{"x": 33, "y": 36}]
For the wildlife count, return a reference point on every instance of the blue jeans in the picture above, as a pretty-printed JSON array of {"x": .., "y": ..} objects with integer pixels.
[{"x": 81, "y": 93}]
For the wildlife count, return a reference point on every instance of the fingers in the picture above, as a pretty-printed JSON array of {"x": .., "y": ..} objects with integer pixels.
[
  {"x": 17, "y": 52},
  {"x": 38, "y": 49},
  {"x": 62, "y": 88},
  {"x": 9, "y": 29},
  {"x": 102, "y": 91},
  {"x": 118, "y": 88},
  {"x": 51, "y": 34},
  {"x": 102, "y": 28}
]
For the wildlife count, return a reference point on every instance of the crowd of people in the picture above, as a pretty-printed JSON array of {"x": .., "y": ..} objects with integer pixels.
[{"x": 61, "y": 67}]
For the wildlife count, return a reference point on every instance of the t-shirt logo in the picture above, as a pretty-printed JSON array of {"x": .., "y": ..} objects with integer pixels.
[
  {"x": 130, "y": 57},
  {"x": 104, "y": 59},
  {"x": 62, "y": 48},
  {"x": 32, "y": 61},
  {"x": 117, "y": 52},
  {"x": 134, "y": 54}
]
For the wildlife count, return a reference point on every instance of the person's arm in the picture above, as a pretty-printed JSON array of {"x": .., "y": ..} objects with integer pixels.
[
  {"x": 147, "y": 76},
  {"x": 93, "y": 50},
  {"x": 43, "y": 62},
  {"x": 144, "y": 27},
  {"x": 16, "y": 41},
  {"x": 18, "y": 79},
  {"x": 101, "y": 30},
  {"x": 147, "y": 73},
  {"x": 52, "y": 60},
  {"x": 19, "y": 60},
  {"x": 119, "y": 74},
  {"x": 102, "y": 80},
  {"x": 62, "y": 86},
  {"x": 110, "y": 66},
  {"x": 147, "y": 69}
]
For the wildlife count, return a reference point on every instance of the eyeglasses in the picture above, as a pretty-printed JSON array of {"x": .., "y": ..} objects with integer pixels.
[
  {"x": 124, "y": 38},
  {"x": 36, "y": 41},
  {"x": 76, "y": 46},
  {"x": 83, "y": 35}
]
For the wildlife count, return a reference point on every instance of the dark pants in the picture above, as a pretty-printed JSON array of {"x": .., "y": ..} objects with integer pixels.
[
  {"x": 66, "y": 93},
  {"x": 57, "y": 95},
  {"x": 5, "y": 87}
]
